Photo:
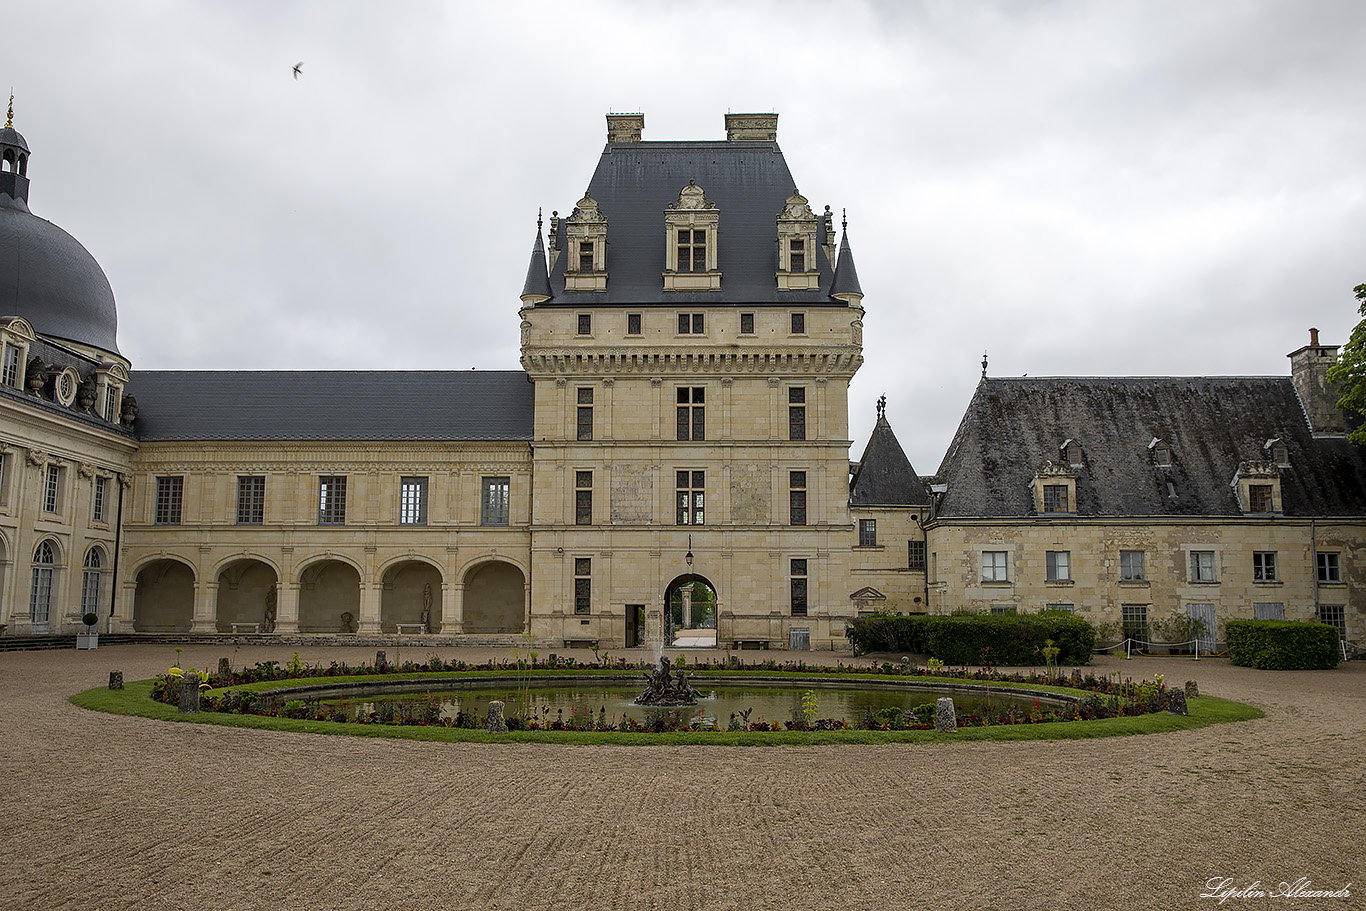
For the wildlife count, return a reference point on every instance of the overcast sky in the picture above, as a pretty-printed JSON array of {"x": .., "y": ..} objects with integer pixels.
[{"x": 1081, "y": 189}]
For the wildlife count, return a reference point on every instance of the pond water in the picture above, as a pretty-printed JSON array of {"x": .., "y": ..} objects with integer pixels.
[{"x": 764, "y": 701}]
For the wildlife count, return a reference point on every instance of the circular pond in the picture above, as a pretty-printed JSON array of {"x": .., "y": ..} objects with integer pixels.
[{"x": 563, "y": 699}]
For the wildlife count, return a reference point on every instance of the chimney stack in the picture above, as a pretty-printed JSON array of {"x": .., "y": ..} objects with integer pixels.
[
  {"x": 1309, "y": 372},
  {"x": 1313, "y": 338},
  {"x": 751, "y": 127},
  {"x": 625, "y": 127}
]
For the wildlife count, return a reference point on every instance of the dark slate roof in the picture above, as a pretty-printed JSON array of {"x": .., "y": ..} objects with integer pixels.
[
  {"x": 846, "y": 276},
  {"x": 748, "y": 182},
  {"x": 332, "y": 405},
  {"x": 1013, "y": 426},
  {"x": 537, "y": 281},
  {"x": 885, "y": 476}
]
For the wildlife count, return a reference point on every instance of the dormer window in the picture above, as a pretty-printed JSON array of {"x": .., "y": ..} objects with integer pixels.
[
  {"x": 586, "y": 242},
  {"x": 110, "y": 378},
  {"x": 1161, "y": 453},
  {"x": 797, "y": 270},
  {"x": 15, "y": 338},
  {"x": 1071, "y": 452},
  {"x": 1275, "y": 450},
  {"x": 13, "y": 360},
  {"x": 1258, "y": 487},
  {"x": 691, "y": 226},
  {"x": 1055, "y": 490}
]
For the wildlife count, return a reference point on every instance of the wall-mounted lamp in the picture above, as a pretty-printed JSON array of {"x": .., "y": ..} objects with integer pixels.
[{"x": 688, "y": 558}]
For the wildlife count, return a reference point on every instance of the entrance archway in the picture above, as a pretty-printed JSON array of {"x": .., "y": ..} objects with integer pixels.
[
  {"x": 495, "y": 599},
  {"x": 164, "y": 600},
  {"x": 692, "y": 602},
  {"x": 329, "y": 591},
  {"x": 245, "y": 592}
]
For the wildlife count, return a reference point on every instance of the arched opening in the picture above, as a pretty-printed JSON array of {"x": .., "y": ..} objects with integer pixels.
[
  {"x": 7, "y": 163},
  {"x": 329, "y": 598},
  {"x": 247, "y": 594},
  {"x": 40, "y": 593},
  {"x": 164, "y": 600},
  {"x": 495, "y": 598},
  {"x": 411, "y": 595},
  {"x": 92, "y": 581},
  {"x": 692, "y": 609}
]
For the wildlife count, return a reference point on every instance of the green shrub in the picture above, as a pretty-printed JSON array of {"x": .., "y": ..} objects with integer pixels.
[
  {"x": 1283, "y": 645},
  {"x": 1014, "y": 639}
]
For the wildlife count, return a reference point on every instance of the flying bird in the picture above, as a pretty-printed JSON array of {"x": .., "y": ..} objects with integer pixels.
[{"x": 298, "y": 68}]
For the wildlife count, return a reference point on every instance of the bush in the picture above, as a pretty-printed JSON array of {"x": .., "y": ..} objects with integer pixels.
[
  {"x": 1283, "y": 645},
  {"x": 1014, "y": 639}
]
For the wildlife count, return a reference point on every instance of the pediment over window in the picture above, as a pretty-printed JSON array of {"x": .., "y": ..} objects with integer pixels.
[
  {"x": 586, "y": 242},
  {"x": 797, "y": 268},
  {"x": 691, "y": 234},
  {"x": 867, "y": 596}
]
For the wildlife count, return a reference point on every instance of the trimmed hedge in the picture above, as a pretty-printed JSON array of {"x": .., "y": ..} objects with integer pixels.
[
  {"x": 1283, "y": 645},
  {"x": 1014, "y": 639}
]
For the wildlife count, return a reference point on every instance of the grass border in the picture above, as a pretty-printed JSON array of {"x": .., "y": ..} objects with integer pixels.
[{"x": 135, "y": 699}]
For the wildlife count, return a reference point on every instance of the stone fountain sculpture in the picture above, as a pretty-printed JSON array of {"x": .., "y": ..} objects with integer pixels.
[{"x": 663, "y": 688}]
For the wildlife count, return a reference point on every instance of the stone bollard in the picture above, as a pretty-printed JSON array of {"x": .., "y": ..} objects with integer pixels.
[
  {"x": 1192, "y": 691},
  {"x": 1176, "y": 702},
  {"x": 945, "y": 718},
  {"x": 189, "y": 693},
  {"x": 224, "y": 669},
  {"x": 116, "y": 680},
  {"x": 381, "y": 662},
  {"x": 497, "y": 724}
]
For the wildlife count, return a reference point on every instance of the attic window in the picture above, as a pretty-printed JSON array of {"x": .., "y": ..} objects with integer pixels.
[
  {"x": 1162, "y": 453},
  {"x": 691, "y": 226},
  {"x": 1055, "y": 498},
  {"x": 1072, "y": 452},
  {"x": 65, "y": 387},
  {"x": 1276, "y": 450},
  {"x": 797, "y": 236}
]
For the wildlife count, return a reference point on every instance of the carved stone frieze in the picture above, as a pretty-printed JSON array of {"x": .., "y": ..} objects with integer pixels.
[{"x": 37, "y": 457}]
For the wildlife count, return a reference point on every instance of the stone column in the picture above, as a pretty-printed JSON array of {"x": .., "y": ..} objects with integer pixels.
[
  {"x": 369, "y": 609},
  {"x": 205, "y": 618},
  {"x": 526, "y": 607},
  {"x": 686, "y": 594},
  {"x": 453, "y": 608},
  {"x": 287, "y": 608}
]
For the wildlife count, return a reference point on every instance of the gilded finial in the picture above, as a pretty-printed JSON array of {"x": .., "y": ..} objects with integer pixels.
[
  {"x": 9, "y": 115},
  {"x": 984, "y": 365}
]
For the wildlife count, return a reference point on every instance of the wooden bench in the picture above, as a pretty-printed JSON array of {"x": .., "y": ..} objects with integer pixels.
[
  {"x": 410, "y": 629},
  {"x": 580, "y": 643},
  {"x": 246, "y": 627},
  {"x": 750, "y": 644}
]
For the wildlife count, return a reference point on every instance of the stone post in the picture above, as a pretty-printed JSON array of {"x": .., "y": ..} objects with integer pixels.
[
  {"x": 1192, "y": 690},
  {"x": 224, "y": 668},
  {"x": 497, "y": 724},
  {"x": 381, "y": 661},
  {"x": 1176, "y": 702},
  {"x": 945, "y": 718},
  {"x": 116, "y": 680},
  {"x": 189, "y": 693}
]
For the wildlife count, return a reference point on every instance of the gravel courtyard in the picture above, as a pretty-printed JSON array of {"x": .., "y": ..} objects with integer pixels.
[{"x": 106, "y": 812}]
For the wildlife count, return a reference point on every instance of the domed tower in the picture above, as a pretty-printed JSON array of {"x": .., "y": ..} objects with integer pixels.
[{"x": 46, "y": 276}]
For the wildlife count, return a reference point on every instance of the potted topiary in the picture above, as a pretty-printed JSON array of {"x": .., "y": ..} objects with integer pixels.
[{"x": 90, "y": 636}]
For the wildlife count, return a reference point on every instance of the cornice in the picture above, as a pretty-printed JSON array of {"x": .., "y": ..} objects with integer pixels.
[{"x": 830, "y": 360}]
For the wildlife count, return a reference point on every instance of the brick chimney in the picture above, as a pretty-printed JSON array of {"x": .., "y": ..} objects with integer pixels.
[
  {"x": 751, "y": 127},
  {"x": 625, "y": 127},
  {"x": 1309, "y": 371}
]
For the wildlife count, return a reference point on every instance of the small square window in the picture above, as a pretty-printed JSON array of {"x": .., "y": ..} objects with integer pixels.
[
  {"x": 1259, "y": 498},
  {"x": 1202, "y": 566},
  {"x": 799, "y": 324},
  {"x": 585, "y": 324},
  {"x": 746, "y": 323},
  {"x": 1264, "y": 566},
  {"x": 1329, "y": 567},
  {"x": 1055, "y": 498},
  {"x": 1131, "y": 566},
  {"x": 1059, "y": 566},
  {"x": 633, "y": 324},
  {"x": 691, "y": 323},
  {"x": 994, "y": 566}
]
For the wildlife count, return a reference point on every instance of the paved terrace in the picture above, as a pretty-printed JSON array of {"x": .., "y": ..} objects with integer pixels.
[{"x": 104, "y": 812}]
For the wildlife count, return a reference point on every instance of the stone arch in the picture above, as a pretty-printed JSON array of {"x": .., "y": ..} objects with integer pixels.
[
  {"x": 246, "y": 585},
  {"x": 405, "y": 586},
  {"x": 495, "y": 597},
  {"x": 329, "y": 587},
  {"x": 164, "y": 599},
  {"x": 704, "y": 603}
]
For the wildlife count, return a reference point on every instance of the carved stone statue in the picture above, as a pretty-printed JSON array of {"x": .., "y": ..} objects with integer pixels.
[
  {"x": 348, "y": 622},
  {"x": 268, "y": 621},
  {"x": 427, "y": 608},
  {"x": 663, "y": 689}
]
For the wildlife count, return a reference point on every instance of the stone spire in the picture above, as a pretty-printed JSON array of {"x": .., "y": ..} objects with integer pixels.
[
  {"x": 536, "y": 289},
  {"x": 845, "y": 287}
]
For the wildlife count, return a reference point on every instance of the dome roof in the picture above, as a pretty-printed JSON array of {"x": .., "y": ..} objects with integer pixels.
[{"x": 49, "y": 279}]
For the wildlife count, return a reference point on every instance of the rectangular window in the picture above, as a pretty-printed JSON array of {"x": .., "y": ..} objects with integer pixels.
[
  {"x": 691, "y": 323},
  {"x": 994, "y": 566},
  {"x": 1268, "y": 610},
  {"x": 1202, "y": 566},
  {"x": 796, "y": 255},
  {"x": 796, "y": 498},
  {"x": 583, "y": 498},
  {"x": 867, "y": 532},
  {"x": 1059, "y": 565},
  {"x": 11, "y": 371},
  {"x": 1264, "y": 566},
  {"x": 1134, "y": 619},
  {"x": 97, "y": 502},
  {"x": 52, "y": 489},
  {"x": 1065, "y": 608},
  {"x": 799, "y": 324},
  {"x": 251, "y": 500},
  {"x": 1000, "y": 609},
  {"x": 633, "y": 324},
  {"x": 412, "y": 501},
  {"x": 690, "y": 489},
  {"x": 585, "y": 418},
  {"x": 585, "y": 323},
  {"x": 1329, "y": 568},
  {"x": 746, "y": 323},
  {"x": 692, "y": 418},
  {"x": 494, "y": 507},
  {"x": 585, "y": 259},
  {"x": 90, "y": 586},
  {"x": 1055, "y": 498},
  {"x": 1131, "y": 566},
  {"x": 692, "y": 250},
  {"x": 583, "y": 585},
  {"x": 111, "y": 403},
  {"x": 332, "y": 500},
  {"x": 796, "y": 413},
  {"x": 169, "y": 495},
  {"x": 915, "y": 555},
  {"x": 1334, "y": 615},
  {"x": 1259, "y": 498},
  {"x": 799, "y": 591}
]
